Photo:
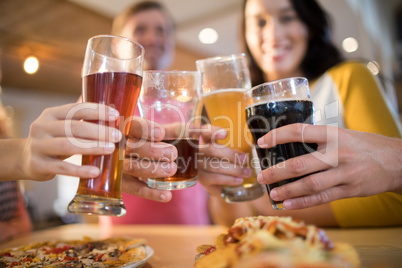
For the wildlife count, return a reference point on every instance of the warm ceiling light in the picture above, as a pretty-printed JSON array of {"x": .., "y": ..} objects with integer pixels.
[
  {"x": 31, "y": 65},
  {"x": 350, "y": 45},
  {"x": 208, "y": 36}
]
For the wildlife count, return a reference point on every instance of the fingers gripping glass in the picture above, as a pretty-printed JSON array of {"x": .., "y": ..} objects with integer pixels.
[
  {"x": 225, "y": 79},
  {"x": 170, "y": 98},
  {"x": 112, "y": 75},
  {"x": 272, "y": 105}
]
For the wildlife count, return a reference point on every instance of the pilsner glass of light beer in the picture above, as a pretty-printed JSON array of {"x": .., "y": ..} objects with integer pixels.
[
  {"x": 170, "y": 98},
  {"x": 111, "y": 75},
  {"x": 224, "y": 80},
  {"x": 272, "y": 105}
]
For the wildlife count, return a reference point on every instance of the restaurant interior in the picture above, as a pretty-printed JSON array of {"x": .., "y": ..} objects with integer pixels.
[
  {"x": 56, "y": 32},
  {"x": 42, "y": 47}
]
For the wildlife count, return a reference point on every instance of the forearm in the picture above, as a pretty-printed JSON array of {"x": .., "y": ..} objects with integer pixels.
[
  {"x": 11, "y": 158},
  {"x": 224, "y": 213}
]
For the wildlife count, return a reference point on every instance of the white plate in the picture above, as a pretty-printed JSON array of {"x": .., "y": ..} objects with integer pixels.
[{"x": 149, "y": 251}]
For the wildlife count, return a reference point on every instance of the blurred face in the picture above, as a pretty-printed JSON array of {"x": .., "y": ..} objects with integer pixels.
[
  {"x": 154, "y": 31},
  {"x": 276, "y": 37}
]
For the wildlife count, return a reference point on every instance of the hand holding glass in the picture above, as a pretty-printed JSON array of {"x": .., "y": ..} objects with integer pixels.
[
  {"x": 170, "y": 98},
  {"x": 272, "y": 105},
  {"x": 225, "y": 79},
  {"x": 111, "y": 75}
]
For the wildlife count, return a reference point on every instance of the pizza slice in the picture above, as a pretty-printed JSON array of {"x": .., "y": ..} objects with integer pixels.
[
  {"x": 275, "y": 242},
  {"x": 106, "y": 253}
]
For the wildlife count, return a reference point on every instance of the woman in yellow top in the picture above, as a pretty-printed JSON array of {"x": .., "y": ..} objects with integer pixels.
[{"x": 290, "y": 38}]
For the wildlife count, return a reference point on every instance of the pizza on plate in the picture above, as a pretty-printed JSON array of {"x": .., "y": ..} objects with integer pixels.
[
  {"x": 270, "y": 242},
  {"x": 86, "y": 252}
]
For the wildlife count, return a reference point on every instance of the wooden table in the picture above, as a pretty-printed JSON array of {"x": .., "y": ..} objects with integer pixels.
[{"x": 174, "y": 245}]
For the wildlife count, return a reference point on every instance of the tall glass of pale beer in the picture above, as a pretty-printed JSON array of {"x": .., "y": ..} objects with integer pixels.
[
  {"x": 224, "y": 80},
  {"x": 272, "y": 105},
  {"x": 111, "y": 75}
]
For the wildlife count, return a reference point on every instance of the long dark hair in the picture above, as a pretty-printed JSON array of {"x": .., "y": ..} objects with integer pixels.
[{"x": 321, "y": 52}]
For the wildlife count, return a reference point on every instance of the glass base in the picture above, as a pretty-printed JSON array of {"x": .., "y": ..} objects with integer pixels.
[
  {"x": 242, "y": 193},
  {"x": 87, "y": 204},
  {"x": 277, "y": 205},
  {"x": 171, "y": 185}
]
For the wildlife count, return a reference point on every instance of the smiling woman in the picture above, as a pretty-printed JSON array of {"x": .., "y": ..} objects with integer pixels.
[
  {"x": 276, "y": 37},
  {"x": 285, "y": 38}
]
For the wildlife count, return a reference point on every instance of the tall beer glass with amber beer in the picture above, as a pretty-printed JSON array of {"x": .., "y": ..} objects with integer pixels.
[
  {"x": 224, "y": 80},
  {"x": 111, "y": 75}
]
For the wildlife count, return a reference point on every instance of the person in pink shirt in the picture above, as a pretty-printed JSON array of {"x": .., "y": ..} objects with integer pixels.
[{"x": 150, "y": 24}]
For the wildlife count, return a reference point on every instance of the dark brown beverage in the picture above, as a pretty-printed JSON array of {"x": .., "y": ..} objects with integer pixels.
[
  {"x": 263, "y": 117},
  {"x": 119, "y": 90},
  {"x": 186, "y": 160}
]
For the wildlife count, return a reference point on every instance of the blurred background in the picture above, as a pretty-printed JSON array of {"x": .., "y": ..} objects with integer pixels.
[{"x": 54, "y": 33}]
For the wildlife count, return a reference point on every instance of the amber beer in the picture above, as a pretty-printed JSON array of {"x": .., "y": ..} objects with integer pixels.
[
  {"x": 224, "y": 110},
  {"x": 120, "y": 90},
  {"x": 225, "y": 79},
  {"x": 111, "y": 75},
  {"x": 186, "y": 161},
  {"x": 102, "y": 194},
  {"x": 171, "y": 99}
]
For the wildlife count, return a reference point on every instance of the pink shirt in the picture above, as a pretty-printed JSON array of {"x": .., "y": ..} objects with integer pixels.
[{"x": 188, "y": 206}]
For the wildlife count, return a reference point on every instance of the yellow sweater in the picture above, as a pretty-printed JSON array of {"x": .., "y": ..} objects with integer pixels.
[{"x": 349, "y": 96}]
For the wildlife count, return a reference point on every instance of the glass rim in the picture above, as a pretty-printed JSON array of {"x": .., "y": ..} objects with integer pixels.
[
  {"x": 170, "y": 72},
  {"x": 222, "y": 57},
  {"x": 299, "y": 78},
  {"x": 111, "y": 36}
]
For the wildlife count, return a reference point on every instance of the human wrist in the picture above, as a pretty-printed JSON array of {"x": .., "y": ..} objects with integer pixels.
[
  {"x": 19, "y": 159},
  {"x": 11, "y": 159}
]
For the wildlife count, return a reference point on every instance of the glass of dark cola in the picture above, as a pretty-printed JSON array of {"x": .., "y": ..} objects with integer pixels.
[{"x": 272, "y": 105}]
